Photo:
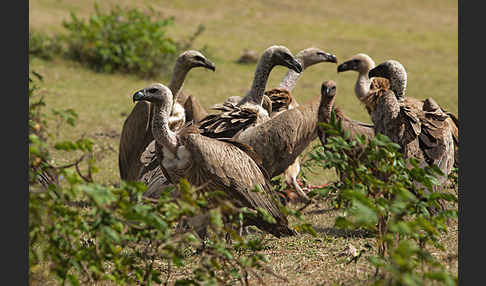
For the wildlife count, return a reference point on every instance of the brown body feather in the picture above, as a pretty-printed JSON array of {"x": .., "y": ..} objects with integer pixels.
[
  {"x": 193, "y": 109},
  {"x": 413, "y": 109},
  {"x": 422, "y": 134},
  {"x": 282, "y": 139},
  {"x": 135, "y": 136},
  {"x": 219, "y": 164},
  {"x": 281, "y": 100},
  {"x": 229, "y": 167},
  {"x": 231, "y": 120}
]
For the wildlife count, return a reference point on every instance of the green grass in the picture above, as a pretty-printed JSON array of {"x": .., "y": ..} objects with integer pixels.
[{"x": 422, "y": 35}]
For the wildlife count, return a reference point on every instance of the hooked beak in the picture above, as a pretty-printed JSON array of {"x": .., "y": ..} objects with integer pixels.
[
  {"x": 294, "y": 65},
  {"x": 378, "y": 71},
  {"x": 206, "y": 64},
  {"x": 138, "y": 96},
  {"x": 209, "y": 65},
  {"x": 329, "y": 57},
  {"x": 346, "y": 66}
]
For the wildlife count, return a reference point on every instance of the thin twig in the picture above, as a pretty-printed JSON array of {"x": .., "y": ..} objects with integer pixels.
[
  {"x": 69, "y": 165},
  {"x": 81, "y": 175}
]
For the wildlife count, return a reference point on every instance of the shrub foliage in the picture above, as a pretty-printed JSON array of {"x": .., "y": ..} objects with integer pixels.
[
  {"x": 44, "y": 46},
  {"x": 377, "y": 193},
  {"x": 122, "y": 39}
]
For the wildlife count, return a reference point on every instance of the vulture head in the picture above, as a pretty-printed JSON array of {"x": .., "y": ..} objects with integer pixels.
[
  {"x": 361, "y": 63},
  {"x": 192, "y": 59},
  {"x": 312, "y": 56},
  {"x": 156, "y": 93},
  {"x": 395, "y": 73},
  {"x": 328, "y": 92},
  {"x": 280, "y": 55},
  {"x": 328, "y": 89}
]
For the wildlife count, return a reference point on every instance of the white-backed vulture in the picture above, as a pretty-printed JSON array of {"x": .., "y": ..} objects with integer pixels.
[
  {"x": 282, "y": 139},
  {"x": 422, "y": 130},
  {"x": 306, "y": 58},
  {"x": 278, "y": 99},
  {"x": 232, "y": 119},
  {"x": 328, "y": 95},
  {"x": 136, "y": 132},
  {"x": 366, "y": 86},
  {"x": 282, "y": 101},
  {"x": 216, "y": 164}
]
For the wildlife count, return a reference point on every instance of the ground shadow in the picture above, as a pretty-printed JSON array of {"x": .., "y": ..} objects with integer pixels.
[
  {"x": 336, "y": 232},
  {"x": 319, "y": 211}
]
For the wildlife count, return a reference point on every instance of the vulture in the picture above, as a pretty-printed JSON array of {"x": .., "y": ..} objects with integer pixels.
[
  {"x": 307, "y": 57},
  {"x": 328, "y": 94},
  {"x": 279, "y": 99},
  {"x": 365, "y": 88},
  {"x": 421, "y": 128},
  {"x": 282, "y": 139},
  {"x": 213, "y": 164},
  {"x": 235, "y": 118},
  {"x": 136, "y": 132}
]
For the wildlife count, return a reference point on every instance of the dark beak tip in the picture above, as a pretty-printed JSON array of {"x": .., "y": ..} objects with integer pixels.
[{"x": 212, "y": 67}]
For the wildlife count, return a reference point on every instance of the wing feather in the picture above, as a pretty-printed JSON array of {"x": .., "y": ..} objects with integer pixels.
[{"x": 135, "y": 136}]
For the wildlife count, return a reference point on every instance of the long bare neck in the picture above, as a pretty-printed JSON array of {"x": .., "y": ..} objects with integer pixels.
[
  {"x": 362, "y": 86},
  {"x": 325, "y": 108},
  {"x": 255, "y": 95},
  {"x": 160, "y": 127},
  {"x": 178, "y": 76}
]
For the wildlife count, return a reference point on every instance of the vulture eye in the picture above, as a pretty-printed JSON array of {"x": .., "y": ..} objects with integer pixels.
[
  {"x": 152, "y": 90},
  {"x": 286, "y": 56}
]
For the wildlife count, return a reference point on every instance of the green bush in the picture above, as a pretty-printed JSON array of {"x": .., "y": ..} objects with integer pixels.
[
  {"x": 377, "y": 193},
  {"x": 44, "y": 46},
  {"x": 126, "y": 40}
]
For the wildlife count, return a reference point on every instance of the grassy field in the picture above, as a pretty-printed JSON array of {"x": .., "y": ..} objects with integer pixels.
[{"x": 422, "y": 35}]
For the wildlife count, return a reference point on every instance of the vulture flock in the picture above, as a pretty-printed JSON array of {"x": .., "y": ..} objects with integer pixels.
[{"x": 248, "y": 140}]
